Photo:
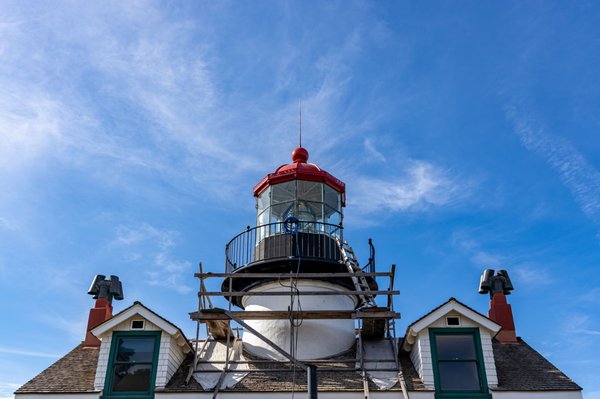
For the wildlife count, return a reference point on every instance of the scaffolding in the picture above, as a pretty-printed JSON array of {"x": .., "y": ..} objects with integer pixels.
[{"x": 372, "y": 322}]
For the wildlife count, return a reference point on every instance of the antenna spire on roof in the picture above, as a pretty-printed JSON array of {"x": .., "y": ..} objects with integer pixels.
[{"x": 300, "y": 123}]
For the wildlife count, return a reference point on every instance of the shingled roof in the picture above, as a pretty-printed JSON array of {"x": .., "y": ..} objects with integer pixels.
[
  {"x": 345, "y": 380},
  {"x": 263, "y": 380},
  {"x": 74, "y": 373},
  {"x": 519, "y": 368},
  {"x": 522, "y": 368}
]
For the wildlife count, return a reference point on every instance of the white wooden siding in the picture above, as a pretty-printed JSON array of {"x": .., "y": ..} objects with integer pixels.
[
  {"x": 105, "y": 350},
  {"x": 421, "y": 352}
]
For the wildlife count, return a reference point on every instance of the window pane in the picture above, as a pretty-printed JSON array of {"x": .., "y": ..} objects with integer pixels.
[
  {"x": 131, "y": 378},
  {"x": 309, "y": 211},
  {"x": 263, "y": 200},
  {"x": 280, "y": 211},
  {"x": 331, "y": 216},
  {"x": 459, "y": 376},
  {"x": 332, "y": 197},
  {"x": 262, "y": 218},
  {"x": 455, "y": 347},
  {"x": 283, "y": 192},
  {"x": 310, "y": 191},
  {"x": 140, "y": 349}
]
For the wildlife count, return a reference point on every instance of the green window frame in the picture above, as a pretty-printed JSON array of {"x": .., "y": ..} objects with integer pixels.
[
  {"x": 114, "y": 362},
  {"x": 440, "y": 363}
]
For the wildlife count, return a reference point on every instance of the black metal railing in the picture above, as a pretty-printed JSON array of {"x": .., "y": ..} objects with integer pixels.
[
  {"x": 289, "y": 239},
  {"x": 370, "y": 266}
]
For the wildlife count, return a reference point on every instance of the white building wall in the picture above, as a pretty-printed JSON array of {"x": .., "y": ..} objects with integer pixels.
[
  {"x": 426, "y": 365},
  {"x": 163, "y": 360},
  {"x": 176, "y": 357},
  {"x": 289, "y": 395},
  {"x": 94, "y": 395},
  {"x": 322, "y": 395},
  {"x": 415, "y": 357},
  {"x": 538, "y": 395},
  {"x": 102, "y": 362}
]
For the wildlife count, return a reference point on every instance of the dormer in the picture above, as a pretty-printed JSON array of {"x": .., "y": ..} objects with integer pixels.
[
  {"x": 139, "y": 352},
  {"x": 451, "y": 349}
]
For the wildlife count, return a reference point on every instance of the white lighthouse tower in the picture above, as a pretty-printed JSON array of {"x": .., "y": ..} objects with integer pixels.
[{"x": 296, "y": 247}]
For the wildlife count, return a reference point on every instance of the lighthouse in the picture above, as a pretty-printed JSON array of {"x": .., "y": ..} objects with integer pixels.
[{"x": 297, "y": 251}]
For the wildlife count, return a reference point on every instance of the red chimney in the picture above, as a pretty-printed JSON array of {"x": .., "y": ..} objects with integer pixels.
[
  {"x": 101, "y": 312},
  {"x": 501, "y": 312}
]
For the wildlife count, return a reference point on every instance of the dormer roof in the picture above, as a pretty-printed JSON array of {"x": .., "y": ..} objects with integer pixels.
[
  {"x": 452, "y": 305},
  {"x": 138, "y": 309}
]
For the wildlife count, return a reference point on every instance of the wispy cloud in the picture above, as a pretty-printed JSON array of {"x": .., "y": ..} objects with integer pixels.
[
  {"x": 422, "y": 186},
  {"x": 7, "y": 388},
  {"x": 373, "y": 152},
  {"x": 592, "y": 395},
  {"x": 581, "y": 324},
  {"x": 21, "y": 352},
  {"x": 149, "y": 245},
  {"x": 522, "y": 270},
  {"x": 532, "y": 273},
  {"x": 576, "y": 173},
  {"x": 592, "y": 296},
  {"x": 73, "y": 327}
]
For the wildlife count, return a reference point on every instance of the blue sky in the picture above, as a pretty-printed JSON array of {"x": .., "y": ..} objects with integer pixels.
[{"x": 132, "y": 133}]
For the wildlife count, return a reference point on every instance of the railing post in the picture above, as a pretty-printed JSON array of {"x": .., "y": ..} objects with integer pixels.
[{"x": 311, "y": 381}]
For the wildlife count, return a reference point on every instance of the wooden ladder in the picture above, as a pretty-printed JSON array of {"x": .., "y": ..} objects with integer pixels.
[{"x": 360, "y": 282}]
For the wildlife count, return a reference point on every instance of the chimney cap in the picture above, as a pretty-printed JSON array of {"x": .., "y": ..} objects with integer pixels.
[
  {"x": 492, "y": 284},
  {"x": 107, "y": 289}
]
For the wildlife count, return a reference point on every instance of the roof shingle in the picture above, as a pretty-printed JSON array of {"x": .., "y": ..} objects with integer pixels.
[
  {"x": 522, "y": 368},
  {"x": 73, "y": 373}
]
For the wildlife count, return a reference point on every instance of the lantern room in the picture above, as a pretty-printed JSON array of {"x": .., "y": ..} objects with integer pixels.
[
  {"x": 300, "y": 192},
  {"x": 298, "y": 226}
]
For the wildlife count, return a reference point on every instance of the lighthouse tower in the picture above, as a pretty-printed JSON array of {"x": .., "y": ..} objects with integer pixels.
[{"x": 297, "y": 252}]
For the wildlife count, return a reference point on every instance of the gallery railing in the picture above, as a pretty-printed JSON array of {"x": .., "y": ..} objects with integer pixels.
[{"x": 284, "y": 240}]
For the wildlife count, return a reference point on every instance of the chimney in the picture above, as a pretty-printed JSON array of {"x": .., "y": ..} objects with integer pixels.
[
  {"x": 103, "y": 292},
  {"x": 501, "y": 312},
  {"x": 498, "y": 286}
]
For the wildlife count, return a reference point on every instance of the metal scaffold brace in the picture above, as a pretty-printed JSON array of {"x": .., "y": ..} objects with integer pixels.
[{"x": 373, "y": 322}]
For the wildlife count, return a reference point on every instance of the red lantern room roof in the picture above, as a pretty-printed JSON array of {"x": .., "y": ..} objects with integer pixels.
[{"x": 299, "y": 169}]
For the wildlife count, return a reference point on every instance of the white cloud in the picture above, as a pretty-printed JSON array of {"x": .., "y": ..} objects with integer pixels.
[
  {"x": 149, "y": 245},
  {"x": 22, "y": 352},
  {"x": 581, "y": 324},
  {"x": 591, "y": 296},
  {"x": 591, "y": 395},
  {"x": 74, "y": 327},
  {"x": 576, "y": 173},
  {"x": 373, "y": 152},
  {"x": 424, "y": 185},
  {"x": 532, "y": 274}
]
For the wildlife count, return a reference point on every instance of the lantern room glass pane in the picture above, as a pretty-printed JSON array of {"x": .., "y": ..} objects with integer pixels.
[
  {"x": 263, "y": 200},
  {"x": 310, "y": 191},
  {"x": 283, "y": 192},
  {"x": 304, "y": 211},
  {"x": 263, "y": 218},
  {"x": 280, "y": 211},
  {"x": 332, "y": 216},
  {"x": 332, "y": 198}
]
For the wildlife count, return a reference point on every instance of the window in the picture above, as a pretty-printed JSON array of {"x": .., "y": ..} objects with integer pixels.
[
  {"x": 131, "y": 369},
  {"x": 458, "y": 366},
  {"x": 137, "y": 324}
]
